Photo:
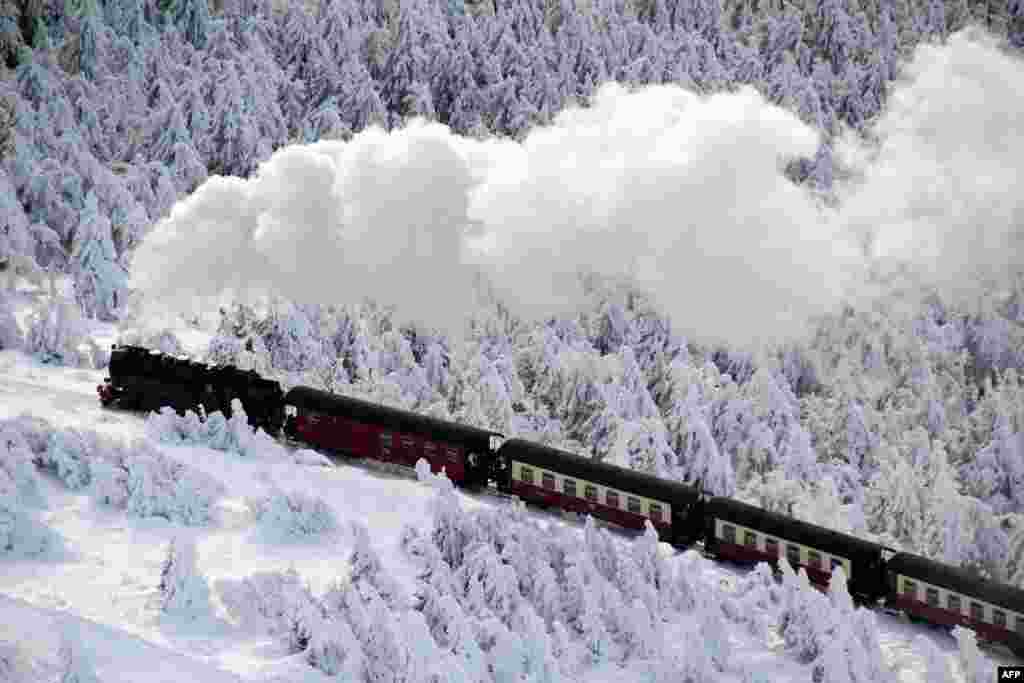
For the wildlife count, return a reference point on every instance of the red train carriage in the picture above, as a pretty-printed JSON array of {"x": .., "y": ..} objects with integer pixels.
[
  {"x": 744, "y": 533},
  {"x": 625, "y": 497},
  {"x": 949, "y": 596},
  {"x": 367, "y": 430}
]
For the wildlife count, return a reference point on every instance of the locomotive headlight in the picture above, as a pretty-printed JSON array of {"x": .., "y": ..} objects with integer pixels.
[{"x": 290, "y": 411}]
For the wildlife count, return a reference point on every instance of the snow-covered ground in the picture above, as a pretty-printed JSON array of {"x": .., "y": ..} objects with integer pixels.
[{"x": 100, "y": 597}]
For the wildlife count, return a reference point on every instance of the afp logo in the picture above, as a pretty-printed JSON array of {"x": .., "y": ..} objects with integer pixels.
[{"x": 1011, "y": 673}]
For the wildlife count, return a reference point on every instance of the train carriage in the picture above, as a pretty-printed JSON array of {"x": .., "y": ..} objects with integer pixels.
[
  {"x": 367, "y": 430},
  {"x": 950, "y": 596},
  {"x": 549, "y": 476},
  {"x": 745, "y": 533}
]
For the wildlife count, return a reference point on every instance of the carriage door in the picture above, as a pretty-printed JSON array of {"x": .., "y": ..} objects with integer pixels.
[
  {"x": 361, "y": 439},
  {"x": 387, "y": 446},
  {"x": 407, "y": 443}
]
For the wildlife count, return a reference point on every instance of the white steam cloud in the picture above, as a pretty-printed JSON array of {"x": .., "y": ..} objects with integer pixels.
[
  {"x": 683, "y": 194},
  {"x": 944, "y": 194},
  {"x": 332, "y": 222}
]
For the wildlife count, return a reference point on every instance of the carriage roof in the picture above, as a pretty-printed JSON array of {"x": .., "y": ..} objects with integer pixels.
[
  {"x": 397, "y": 419},
  {"x": 598, "y": 472}
]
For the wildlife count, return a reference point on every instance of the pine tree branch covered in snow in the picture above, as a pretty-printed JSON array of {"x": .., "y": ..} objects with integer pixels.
[
  {"x": 294, "y": 515},
  {"x": 136, "y": 477},
  {"x": 231, "y": 435},
  {"x": 14, "y": 663},
  {"x": 973, "y": 665},
  {"x": 516, "y": 601},
  {"x": 183, "y": 589},
  {"x": 11, "y": 336},
  {"x": 76, "y": 665},
  {"x": 56, "y": 333},
  {"x": 21, "y": 532},
  {"x": 839, "y": 640},
  {"x": 498, "y": 591},
  {"x": 22, "y": 535}
]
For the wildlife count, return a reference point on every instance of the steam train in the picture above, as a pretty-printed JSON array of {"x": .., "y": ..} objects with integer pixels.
[{"x": 474, "y": 458}]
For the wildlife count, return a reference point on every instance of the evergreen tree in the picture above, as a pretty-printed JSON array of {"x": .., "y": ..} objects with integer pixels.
[
  {"x": 16, "y": 240},
  {"x": 935, "y": 19},
  {"x": 358, "y": 97},
  {"x": 1015, "y": 27},
  {"x": 100, "y": 279},
  {"x": 325, "y": 123},
  {"x": 194, "y": 20},
  {"x": 88, "y": 60},
  {"x": 404, "y": 86}
]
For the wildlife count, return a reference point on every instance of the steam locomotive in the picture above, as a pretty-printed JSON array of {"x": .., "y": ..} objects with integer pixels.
[{"x": 474, "y": 458}]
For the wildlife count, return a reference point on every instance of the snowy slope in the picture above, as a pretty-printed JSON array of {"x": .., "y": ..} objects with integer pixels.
[{"x": 105, "y": 586}]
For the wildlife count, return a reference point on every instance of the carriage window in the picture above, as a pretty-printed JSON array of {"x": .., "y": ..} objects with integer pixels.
[
  {"x": 385, "y": 443},
  {"x": 569, "y": 487},
  {"x": 655, "y": 512},
  {"x": 408, "y": 443},
  {"x": 772, "y": 546},
  {"x": 814, "y": 559},
  {"x": 793, "y": 554},
  {"x": 977, "y": 611},
  {"x": 953, "y": 602},
  {"x": 729, "y": 533},
  {"x": 999, "y": 618},
  {"x": 548, "y": 481},
  {"x": 931, "y": 596},
  {"x": 526, "y": 474},
  {"x": 429, "y": 449},
  {"x": 634, "y": 505},
  {"x": 452, "y": 453},
  {"x": 590, "y": 492},
  {"x": 750, "y": 539},
  {"x": 909, "y": 588},
  {"x": 611, "y": 498}
]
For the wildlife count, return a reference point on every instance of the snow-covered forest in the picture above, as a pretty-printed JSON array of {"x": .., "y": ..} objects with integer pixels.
[
  {"x": 898, "y": 416},
  {"x": 791, "y": 271}
]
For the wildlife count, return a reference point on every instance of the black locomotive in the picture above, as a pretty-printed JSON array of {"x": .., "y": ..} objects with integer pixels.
[{"x": 141, "y": 379}]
